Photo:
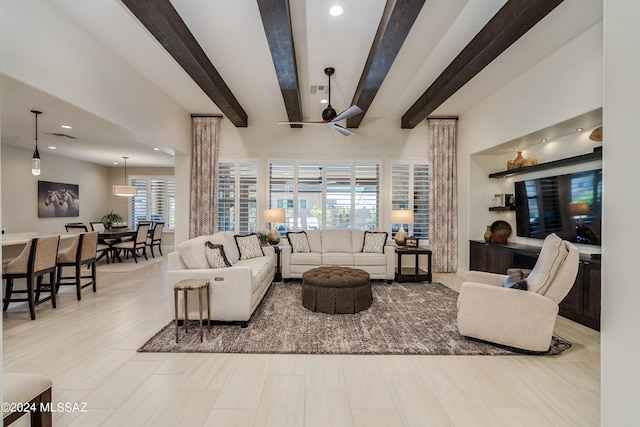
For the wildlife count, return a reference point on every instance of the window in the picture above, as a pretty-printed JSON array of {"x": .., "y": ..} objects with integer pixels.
[
  {"x": 155, "y": 200},
  {"x": 326, "y": 194},
  {"x": 410, "y": 190},
  {"x": 237, "y": 183}
]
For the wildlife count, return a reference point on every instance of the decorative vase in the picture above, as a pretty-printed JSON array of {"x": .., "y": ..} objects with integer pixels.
[
  {"x": 510, "y": 165},
  {"x": 518, "y": 162},
  {"x": 401, "y": 236},
  {"x": 273, "y": 236},
  {"x": 487, "y": 234},
  {"x": 530, "y": 161}
]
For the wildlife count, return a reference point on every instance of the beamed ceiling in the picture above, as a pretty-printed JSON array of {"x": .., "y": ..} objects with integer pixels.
[{"x": 258, "y": 61}]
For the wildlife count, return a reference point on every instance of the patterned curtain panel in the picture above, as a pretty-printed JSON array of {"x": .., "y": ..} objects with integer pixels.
[
  {"x": 204, "y": 172},
  {"x": 443, "y": 199}
]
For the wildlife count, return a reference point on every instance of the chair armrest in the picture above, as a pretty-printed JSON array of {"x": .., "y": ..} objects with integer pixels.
[{"x": 484, "y": 277}]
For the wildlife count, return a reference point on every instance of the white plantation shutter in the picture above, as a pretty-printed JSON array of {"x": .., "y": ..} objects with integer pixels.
[
  {"x": 329, "y": 195},
  {"x": 410, "y": 190},
  {"x": 237, "y": 184},
  {"x": 155, "y": 200}
]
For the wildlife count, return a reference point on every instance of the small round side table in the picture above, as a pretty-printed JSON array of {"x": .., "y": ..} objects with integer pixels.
[{"x": 199, "y": 285}]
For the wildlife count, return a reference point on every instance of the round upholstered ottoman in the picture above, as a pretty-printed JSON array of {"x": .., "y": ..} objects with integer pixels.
[{"x": 336, "y": 290}]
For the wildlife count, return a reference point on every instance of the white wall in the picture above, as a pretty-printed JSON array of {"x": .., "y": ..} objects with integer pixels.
[
  {"x": 620, "y": 291},
  {"x": 20, "y": 189},
  {"x": 564, "y": 85}
]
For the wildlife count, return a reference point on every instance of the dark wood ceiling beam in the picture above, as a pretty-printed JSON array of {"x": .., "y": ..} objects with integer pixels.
[
  {"x": 512, "y": 21},
  {"x": 276, "y": 20},
  {"x": 163, "y": 21},
  {"x": 396, "y": 22}
]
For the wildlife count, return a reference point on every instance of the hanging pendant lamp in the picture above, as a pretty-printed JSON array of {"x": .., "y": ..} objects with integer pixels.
[
  {"x": 35, "y": 161},
  {"x": 125, "y": 190}
]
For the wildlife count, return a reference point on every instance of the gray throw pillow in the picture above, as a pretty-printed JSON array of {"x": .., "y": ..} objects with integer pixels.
[{"x": 516, "y": 280}]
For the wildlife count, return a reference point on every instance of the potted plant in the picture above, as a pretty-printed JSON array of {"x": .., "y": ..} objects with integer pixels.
[
  {"x": 109, "y": 219},
  {"x": 263, "y": 237}
]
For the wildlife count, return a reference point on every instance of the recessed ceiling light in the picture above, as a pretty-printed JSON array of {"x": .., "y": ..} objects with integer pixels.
[
  {"x": 516, "y": 149},
  {"x": 543, "y": 140},
  {"x": 324, "y": 101},
  {"x": 336, "y": 10},
  {"x": 116, "y": 163},
  {"x": 579, "y": 129},
  {"x": 66, "y": 127},
  {"x": 51, "y": 147},
  {"x": 156, "y": 149}
]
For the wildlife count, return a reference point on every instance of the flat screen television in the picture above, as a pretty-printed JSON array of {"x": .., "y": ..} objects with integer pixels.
[{"x": 569, "y": 205}]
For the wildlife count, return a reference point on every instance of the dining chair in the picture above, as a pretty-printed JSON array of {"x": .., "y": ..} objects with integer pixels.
[
  {"x": 155, "y": 238},
  {"x": 104, "y": 247},
  {"x": 76, "y": 227},
  {"x": 37, "y": 259},
  {"x": 139, "y": 242},
  {"x": 81, "y": 252}
]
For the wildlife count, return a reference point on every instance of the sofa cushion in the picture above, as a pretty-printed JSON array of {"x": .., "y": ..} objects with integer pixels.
[
  {"x": 192, "y": 251},
  {"x": 552, "y": 255},
  {"x": 298, "y": 241},
  {"x": 315, "y": 240},
  {"x": 260, "y": 269},
  {"x": 337, "y": 258},
  {"x": 374, "y": 242},
  {"x": 337, "y": 241},
  {"x": 249, "y": 246},
  {"x": 306, "y": 258},
  {"x": 215, "y": 255},
  {"x": 357, "y": 240},
  {"x": 365, "y": 259}
]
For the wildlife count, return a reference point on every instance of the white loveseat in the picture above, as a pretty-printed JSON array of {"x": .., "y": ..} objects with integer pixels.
[
  {"x": 338, "y": 247},
  {"x": 234, "y": 291}
]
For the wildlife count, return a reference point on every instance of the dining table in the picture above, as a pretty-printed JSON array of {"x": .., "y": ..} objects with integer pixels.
[{"x": 116, "y": 235}]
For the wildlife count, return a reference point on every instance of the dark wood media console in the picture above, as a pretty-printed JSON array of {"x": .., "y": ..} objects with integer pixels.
[{"x": 582, "y": 304}]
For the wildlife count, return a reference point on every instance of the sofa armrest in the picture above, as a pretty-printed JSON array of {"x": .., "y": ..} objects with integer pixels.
[
  {"x": 390, "y": 256},
  {"x": 486, "y": 278},
  {"x": 506, "y": 316},
  {"x": 175, "y": 261}
]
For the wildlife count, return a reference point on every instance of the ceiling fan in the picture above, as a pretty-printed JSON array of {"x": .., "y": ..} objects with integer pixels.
[{"x": 329, "y": 115}]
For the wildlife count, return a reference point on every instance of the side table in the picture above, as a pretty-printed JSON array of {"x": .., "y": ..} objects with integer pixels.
[
  {"x": 199, "y": 285},
  {"x": 413, "y": 274},
  {"x": 278, "y": 276}
]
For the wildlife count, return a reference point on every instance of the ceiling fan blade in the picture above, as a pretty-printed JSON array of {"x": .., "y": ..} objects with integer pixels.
[
  {"x": 302, "y": 123},
  {"x": 354, "y": 110},
  {"x": 343, "y": 131}
]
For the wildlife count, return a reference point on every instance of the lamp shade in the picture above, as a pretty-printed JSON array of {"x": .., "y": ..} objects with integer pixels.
[
  {"x": 124, "y": 190},
  {"x": 401, "y": 216},
  {"x": 578, "y": 209},
  {"x": 273, "y": 215}
]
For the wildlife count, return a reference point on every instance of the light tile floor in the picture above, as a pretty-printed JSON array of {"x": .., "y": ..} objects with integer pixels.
[{"x": 88, "y": 348}]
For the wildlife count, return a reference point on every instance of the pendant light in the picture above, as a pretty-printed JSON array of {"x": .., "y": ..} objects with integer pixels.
[
  {"x": 35, "y": 161},
  {"x": 125, "y": 190}
]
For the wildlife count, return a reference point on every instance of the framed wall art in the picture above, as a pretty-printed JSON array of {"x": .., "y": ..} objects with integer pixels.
[{"x": 56, "y": 199}]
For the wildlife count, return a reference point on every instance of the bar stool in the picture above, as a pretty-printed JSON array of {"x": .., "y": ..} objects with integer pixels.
[{"x": 200, "y": 285}]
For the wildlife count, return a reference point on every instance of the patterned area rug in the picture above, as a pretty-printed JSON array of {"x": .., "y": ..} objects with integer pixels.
[{"x": 407, "y": 318}]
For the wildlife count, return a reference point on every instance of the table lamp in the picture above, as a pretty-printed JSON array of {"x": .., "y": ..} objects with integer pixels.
[
  {"x": 401, "y": 217},
  {"x": 273, "y": 216}
]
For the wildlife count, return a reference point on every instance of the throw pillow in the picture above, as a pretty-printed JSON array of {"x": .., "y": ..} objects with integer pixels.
[
  {"x": 298, "y": 241},
  {"x": 516, "y": 280},
  {"x": 216, "y": 256},
  {"x": 249, "y": 246},
  {"x": 374, "y": 241}
]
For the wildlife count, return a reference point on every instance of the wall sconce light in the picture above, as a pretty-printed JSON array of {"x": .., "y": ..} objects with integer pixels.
[{"x": 35, "y": 161}]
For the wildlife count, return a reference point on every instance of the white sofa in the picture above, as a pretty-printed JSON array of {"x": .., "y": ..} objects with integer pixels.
[
  {"x": 234, "y": 291},
  {"x": 338, "y": 247}
]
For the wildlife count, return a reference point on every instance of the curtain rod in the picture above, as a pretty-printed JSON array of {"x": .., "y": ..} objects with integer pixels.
[
  {"x": 444, "y": 117},
  {"x": 206, "y": 115}
]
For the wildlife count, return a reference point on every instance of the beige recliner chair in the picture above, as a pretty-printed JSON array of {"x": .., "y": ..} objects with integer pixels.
[{"x": 519, "y": 318}]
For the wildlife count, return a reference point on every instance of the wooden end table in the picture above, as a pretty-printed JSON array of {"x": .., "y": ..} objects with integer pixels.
[{"x": 413, "y": 274}]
